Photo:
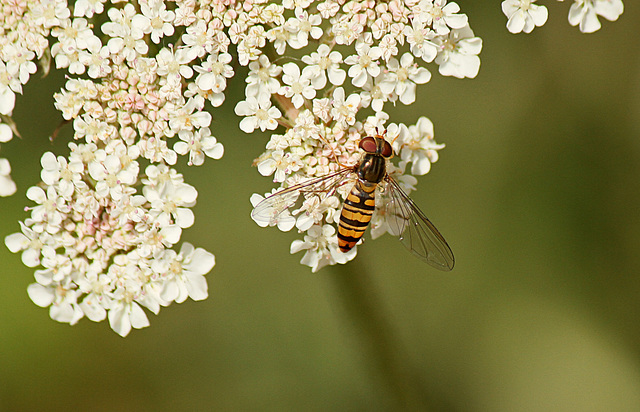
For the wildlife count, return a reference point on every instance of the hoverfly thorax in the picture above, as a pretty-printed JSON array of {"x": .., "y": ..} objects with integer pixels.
[{"x": 373, "y": 166}]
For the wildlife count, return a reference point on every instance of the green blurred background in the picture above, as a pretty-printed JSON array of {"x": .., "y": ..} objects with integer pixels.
[{"x": 537, "y": 192}]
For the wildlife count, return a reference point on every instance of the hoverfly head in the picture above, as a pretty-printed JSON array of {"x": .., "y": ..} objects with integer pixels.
[{"x": 377, "y": 145}]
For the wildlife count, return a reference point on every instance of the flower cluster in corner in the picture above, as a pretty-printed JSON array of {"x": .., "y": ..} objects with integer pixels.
[
  {"x": 356, "y": 58},
  {"x": 107, "y": 215},
  {"x": 525, "y": 15}
]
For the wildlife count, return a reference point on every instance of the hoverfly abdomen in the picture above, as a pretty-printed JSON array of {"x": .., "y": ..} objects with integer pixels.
[{"x": 356, "y": 214}]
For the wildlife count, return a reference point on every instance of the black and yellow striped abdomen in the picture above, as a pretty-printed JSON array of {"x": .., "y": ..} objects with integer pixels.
[{"x": 356, "y": 214}]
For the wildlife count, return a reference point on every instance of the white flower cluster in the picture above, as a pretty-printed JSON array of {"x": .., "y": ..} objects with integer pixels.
[
  {"x": 356, "y": 56},
  {"x": 23, "y": 38},
  {"x": 102, "y": 231},
  {"x": 525, "y": 15},
  {"x": 103, "y": 248}
]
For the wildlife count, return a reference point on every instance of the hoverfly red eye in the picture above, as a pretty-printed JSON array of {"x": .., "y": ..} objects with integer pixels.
[
  {"x": 387, "y": 150},
  {"x": 368, "y": 144}
]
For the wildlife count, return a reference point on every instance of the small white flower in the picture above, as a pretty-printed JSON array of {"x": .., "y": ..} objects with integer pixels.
[
  {"x": 126, "y": 315},
  {"x": 262, "y": 80},
  {"x": 281, "y": 164},
  {"x": 297, "y": 85},
  {"x": 273, "y": 14},
  {"x": 378, "y": 91},
  {"x": 249, "y": 46},
  {"x": 64, "y": 306},
  {"x": 405, "y": 75},
  {"x": 29, "y": 242},
  {"x": 459, "y": 54},
  {"x": 126, "y": 39},
  {"x": 186, "y": 273},
  {"x": 364, "y": 64},
  {"x": 7, "y": 98},
  {"x": 51, "y": 209},
  {"x": 388, "y": 46},
  {"x": 416, "y": 145},
  {"x": 420, "y": 39},
  {"x": 279, "y": 36},
  {"x": 185, "y": 15},
  {"x": 58, "y": 171},
  {"x": 313, "y": 211},
  {"x": 189, "y": 116},
  {"x": 585, "y": 13},
  {"x": 302, "y": 26},
  {"x": 324, "y": 61},
  {"x": 69, "y": 60},
  {"x": 112, "y": 176},
  {"x": 259, "y": 114},
  {"x": 74, "y": 35},
  {"x": 96, "y": 59},
  {"x": 321, "y": 246},
  {"x": 94, "y": 305},
  {"x": 198, "y": 37},
  {"x": 212, "y": 77},
  {"x": 322, "y": 109},
  {"x": 88, "y": 8},
  {"x": 328, "y": 9},
  {"x": 7, "y": 185},
  {"x": 174, "y": 64},
  {"x": 344, "y": 111},
  {"x": 156, "y": 150},
  {"x": 442, "y": 16},
  {"x": 50, "y": 13},
  {"x": 198, "y": 144},
  {"x": 406, "y": 182},
  {"x": 172, "y": 204},
  {"x": 278, "y": 214},
  {"x": 159, "y": 175},
  {"x": 92, "y": 130},
  {"x": 5, "y": 133},
  {"x": 523, "y": 15},
  {"x": 345, "y": 30},
  {"x": 19, "y": 62},
  {"x": 155, "y": 19}
]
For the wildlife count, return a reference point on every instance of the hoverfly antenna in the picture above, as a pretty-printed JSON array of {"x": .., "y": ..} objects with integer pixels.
[{"x": 381, "y": 131}]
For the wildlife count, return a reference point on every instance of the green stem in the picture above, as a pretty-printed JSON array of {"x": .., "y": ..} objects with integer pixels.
[{"x": 363, "y": 305}]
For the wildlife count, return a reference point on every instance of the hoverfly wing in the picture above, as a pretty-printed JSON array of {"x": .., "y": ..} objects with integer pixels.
[
  {"x": 269, "y": 210},
  {"x": 413, "y": 229}
]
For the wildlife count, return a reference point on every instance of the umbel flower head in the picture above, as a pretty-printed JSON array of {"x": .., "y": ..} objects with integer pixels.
[
  {"x": 107, "y": 216},
  {"x": 141, "y": 80},
  {"x": 369, "y": 56}
]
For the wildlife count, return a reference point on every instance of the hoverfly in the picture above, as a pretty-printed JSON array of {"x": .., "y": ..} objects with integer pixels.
[{"x": 403, "y": 216}]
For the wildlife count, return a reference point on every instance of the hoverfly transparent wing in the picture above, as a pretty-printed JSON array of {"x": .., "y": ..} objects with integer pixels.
[
  {"x": 413, "y": 229},
  {"x": 269, "y": 210}
]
